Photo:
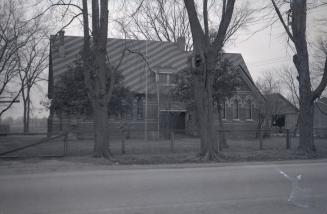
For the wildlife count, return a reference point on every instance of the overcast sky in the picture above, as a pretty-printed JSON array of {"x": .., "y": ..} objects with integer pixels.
[{"x": 266, "y": 50}]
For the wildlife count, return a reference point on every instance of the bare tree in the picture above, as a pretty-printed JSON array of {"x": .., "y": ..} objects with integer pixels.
[
  {"x": 295, "y": 27},
  {"x": 287, "y": 78},
  {"x": 98, "y": 75},
  {"x": 32, "y": 61},
  {"x": 15, "y": 32},
  {"x": 204, "y": 63},
  {"x": 268, "y": 83},
  {"x": 162, "y": 20},
  {"x": 98, "y": 72}
]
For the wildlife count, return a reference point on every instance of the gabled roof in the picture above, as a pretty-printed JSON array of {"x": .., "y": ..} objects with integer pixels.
[
  {"x": 238, "y": 62},
  {"x": 236, "y": 59},
  {"x": 140, "y": 55},
  {"x": 158, "y": 55},
  {"x": 283, "y": 104}
]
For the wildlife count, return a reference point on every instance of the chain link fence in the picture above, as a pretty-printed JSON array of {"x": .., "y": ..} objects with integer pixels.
[{"x": 77, "y": 139}]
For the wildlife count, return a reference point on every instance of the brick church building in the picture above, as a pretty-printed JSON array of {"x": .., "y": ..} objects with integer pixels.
[{"x": 149, "y": 69}]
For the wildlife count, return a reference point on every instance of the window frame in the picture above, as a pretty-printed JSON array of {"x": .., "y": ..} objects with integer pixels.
[
  {"x": 224, "y": 116},
  {"x": 139, "y": 109},
  {"x": 249, "y": 110},
  {"x": 238, "y": 109},
  {"x": 167, "y": 80}
]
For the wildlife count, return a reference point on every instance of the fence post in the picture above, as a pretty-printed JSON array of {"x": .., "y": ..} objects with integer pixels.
[
  {"x": 220, "y": 143},
  {"x": 260, "y": 139},
  {"x": 66, "y": 143},
  {"x": 288, "y": 143},
  {"x": 172, "y": 139},
  {"x": 123, "y": 139}
]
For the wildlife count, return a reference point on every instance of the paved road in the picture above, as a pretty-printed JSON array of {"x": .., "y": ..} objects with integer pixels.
[{"x": 232, "y": 189}]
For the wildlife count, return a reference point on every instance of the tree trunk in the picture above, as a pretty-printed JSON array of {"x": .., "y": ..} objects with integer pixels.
[
  {"x": 306, "y": 140},
  {"x": 28, "y": 110},
  {"x": 296, "y": 126},
  {"x": 98, "y": 76},
  {"x": 50, "y": 122},
  {"x": 222, "y": 134},
  {"x": 205, "y": 54},
  {"x": 24, "y": 114},
  {"x": 204, "y": 103},
  {"x": 101, "y": 131}
]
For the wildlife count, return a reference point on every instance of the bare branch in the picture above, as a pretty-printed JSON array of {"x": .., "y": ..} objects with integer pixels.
[
  {"x": 282, "y": 21},
  {"x": 322, "y": 85},
  {"x": 224, "y": 24}
]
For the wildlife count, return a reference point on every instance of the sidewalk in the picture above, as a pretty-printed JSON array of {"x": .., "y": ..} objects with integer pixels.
[{"x": 30, "y": 166}]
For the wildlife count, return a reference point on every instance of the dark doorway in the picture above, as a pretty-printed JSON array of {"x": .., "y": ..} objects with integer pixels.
[
  {"x": 180, "y": 121},
  {"x": 172, "y": 120}
]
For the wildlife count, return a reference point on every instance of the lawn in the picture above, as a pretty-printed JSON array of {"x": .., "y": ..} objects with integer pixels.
[{"x": 139, "y": 151}]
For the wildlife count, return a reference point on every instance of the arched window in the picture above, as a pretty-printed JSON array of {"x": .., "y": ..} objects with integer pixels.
[
  {"x": 140, "y": 108},
  {"x": 224, "y": 110},
  {"x": 249, "y": 110},
  {"x": 236, "y": 109}
]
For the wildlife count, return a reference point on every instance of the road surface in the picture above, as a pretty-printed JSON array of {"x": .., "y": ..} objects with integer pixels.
[{"x": 231, "y": 189}]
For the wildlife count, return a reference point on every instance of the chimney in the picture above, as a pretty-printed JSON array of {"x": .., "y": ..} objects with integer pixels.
[
  {"x": 61, "y": 43},
  {"x": 180, "y": 42}
]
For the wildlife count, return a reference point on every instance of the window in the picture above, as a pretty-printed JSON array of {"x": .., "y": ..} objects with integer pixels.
[
  {"x": 163, "y": 78},
  {"x": 167, "y": 79},
  {"x": 140, "y": 108},
  {"x": 249, "y": 110},
  {"x": 235, "y": 109},
  {"x": 224, "y": 110}
]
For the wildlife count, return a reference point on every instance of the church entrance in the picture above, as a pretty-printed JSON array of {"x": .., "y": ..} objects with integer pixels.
[{"x": 172, "y": 121}]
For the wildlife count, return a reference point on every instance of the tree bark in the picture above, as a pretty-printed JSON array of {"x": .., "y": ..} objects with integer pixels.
[
  {"x": 204, "y": 103},
  {"x": 98, "y": 76},
  {"x": 26, "y": 109},
  {"x": 222, "y": 133},
  {"x": 24, "y": 115},
  {"x": 306, "y": 111},
  {"x": 101, "y": 132},
  {"x": 306, "y": 141}
]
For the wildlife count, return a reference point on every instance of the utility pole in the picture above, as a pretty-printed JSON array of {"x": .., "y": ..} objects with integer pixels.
[{"x": 146, "y": 94}]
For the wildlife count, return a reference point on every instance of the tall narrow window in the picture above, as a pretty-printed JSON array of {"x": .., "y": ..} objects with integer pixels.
[
  {"x": 249, "y": 109},
  {"x": 139, "y": 108},
  {"x": 224, "y": 109},
  {"x": 236, "y": 109}
]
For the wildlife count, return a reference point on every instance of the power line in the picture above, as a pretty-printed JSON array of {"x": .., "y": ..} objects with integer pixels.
[{"x": 269, "y": 61}]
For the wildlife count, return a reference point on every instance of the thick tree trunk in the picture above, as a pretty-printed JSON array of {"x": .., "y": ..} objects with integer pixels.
[
  {"x": 222, "y": 133},
  {"x": 306, "y": 141},
  {"x": 301, "y": 61},
  {"x": 50, "y": 122},
  {"x": 209, "y": 142},
  {"x": 101, "y": 131},
  {"x": 204, "y": 103},
  {"x": 204, "y": 65},
  {"x": 296, "y": 126},
  {"x": 98, "y": 76}
]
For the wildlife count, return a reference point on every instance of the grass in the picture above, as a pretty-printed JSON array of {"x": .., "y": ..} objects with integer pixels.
[{"x": 139, "y": 151}]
